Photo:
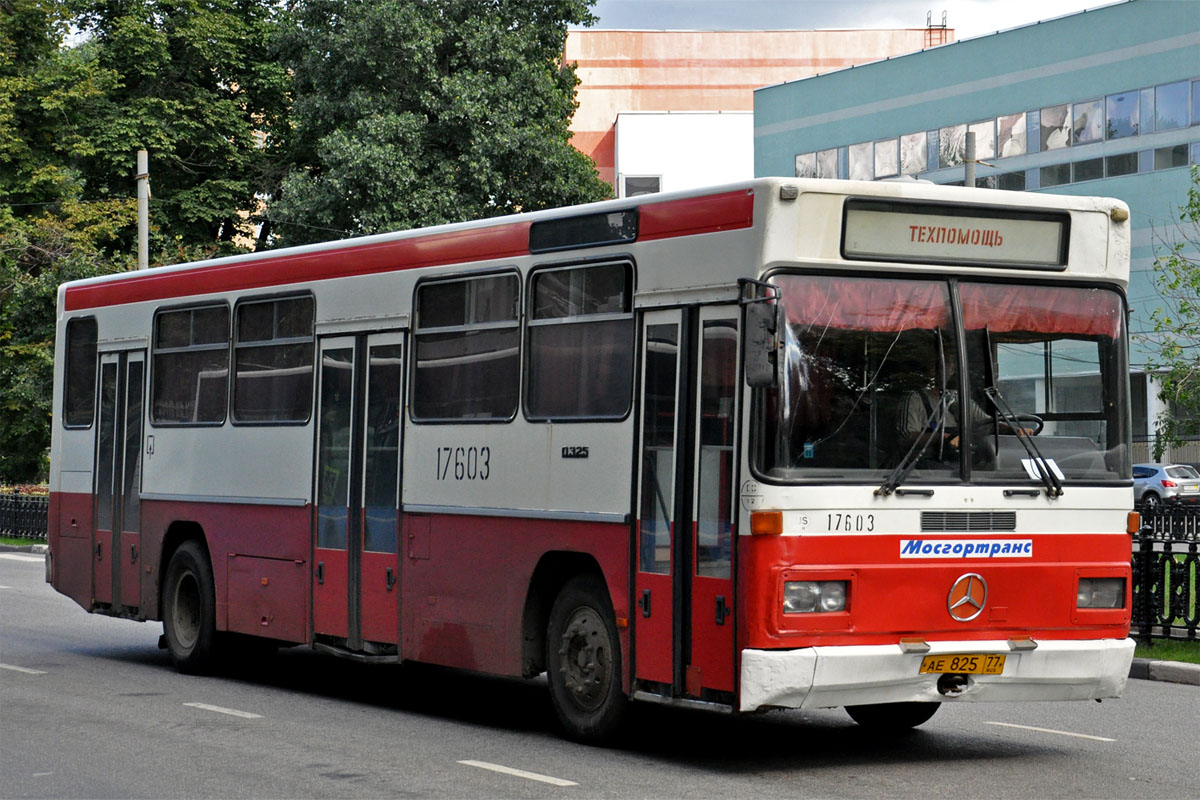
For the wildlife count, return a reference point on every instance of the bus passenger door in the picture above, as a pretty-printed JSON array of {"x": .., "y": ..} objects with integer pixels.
[
  {"x": 714, "y": 477},
  {"x": 115, "y": 537},
  {"x": 356, "y": 566},
  {"x": 684, "y": 641},
  {"x": 654, "y": 585}
]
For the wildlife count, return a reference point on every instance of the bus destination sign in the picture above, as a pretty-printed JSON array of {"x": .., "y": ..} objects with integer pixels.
[{"x": 949, "y": 235}]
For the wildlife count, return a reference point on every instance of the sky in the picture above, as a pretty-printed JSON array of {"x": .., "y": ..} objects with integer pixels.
[{"x": 968, "y": 18}]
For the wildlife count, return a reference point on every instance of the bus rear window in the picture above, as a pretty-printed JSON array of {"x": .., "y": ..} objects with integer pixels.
[
  {"x": 79, "y": 397},
  {"x": 274, "y": 360}
]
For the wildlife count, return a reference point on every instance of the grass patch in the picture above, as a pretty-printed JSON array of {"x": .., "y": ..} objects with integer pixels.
[
  {"x": 11, "y": 540},
  {"x": 1169, "y": 650}
]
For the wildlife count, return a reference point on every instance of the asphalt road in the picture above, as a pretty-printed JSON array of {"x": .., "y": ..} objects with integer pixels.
[{"x": 91, "y": 708}]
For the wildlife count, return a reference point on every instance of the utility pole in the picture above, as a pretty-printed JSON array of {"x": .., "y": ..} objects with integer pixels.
[
  {"x": 143, "y": 208},
  {"x": 969, "y": 165}
]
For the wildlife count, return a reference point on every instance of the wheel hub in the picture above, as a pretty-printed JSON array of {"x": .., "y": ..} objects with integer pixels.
[{"x": 586, "y": 664}]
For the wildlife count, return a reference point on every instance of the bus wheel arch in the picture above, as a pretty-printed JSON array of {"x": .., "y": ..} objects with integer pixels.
[
  {"x": 551, "y": 574},
  {"x": 187, "y": 602},
  {"x": 583, "y": 660}
]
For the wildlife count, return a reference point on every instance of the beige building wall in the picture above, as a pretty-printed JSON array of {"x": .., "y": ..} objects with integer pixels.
[{"x": 707, "y": 70}]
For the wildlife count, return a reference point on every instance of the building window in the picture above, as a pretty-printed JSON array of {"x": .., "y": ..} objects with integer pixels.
[
  {"x": 827, "y": 163},
  {"x": 1055, "y": 175},
  {"x": 1056, "y": 127},
  {"x": 1124, "y": 164},
  {"x": 1171, "y": 106},
  {"x": 1196, "y": 152},
  {"x": 1196, "y": 102},
  {"x": 1168, "y": 157},
  {"x": 79, "y": 390},
  {"x": 1033, "y": 129},
  {"x": 1010, "y": 135},
  {"x": 887, "y": 158},
  {"x": 467, "y": 349},
  {"x": 952, "y": 145},
  {"x": 1088, "y": 122},
  {"x": 1122, "y": 115},
  {"x": 912, "y": 153},
  {"x": 273, "y": 360},
  {"x": 1011, "y": 181},
  {"x": 862, "y": 161},
  {"x": 190, "y": 368},
  {"x": 581, "y": 342},
  {"x": 985, "y": 139},
  {"x": 1089, "y": 170},
  {"x": 806, "y": 165},
  {"x": 641, "y": 184}
]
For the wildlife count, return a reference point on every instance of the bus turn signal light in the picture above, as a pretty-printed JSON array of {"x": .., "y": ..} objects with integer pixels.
[
  {"x": 1133, "y": 523},
  {"x": 766, "y": 523}
]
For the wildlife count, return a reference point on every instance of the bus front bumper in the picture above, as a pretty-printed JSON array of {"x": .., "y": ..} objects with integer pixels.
[{"x": 827, "y": 677}]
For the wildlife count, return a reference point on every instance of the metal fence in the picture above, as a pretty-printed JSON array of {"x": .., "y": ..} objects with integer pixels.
[
  {"x": 23, "y": 516},
  {"x": 1166, "y": 570}
]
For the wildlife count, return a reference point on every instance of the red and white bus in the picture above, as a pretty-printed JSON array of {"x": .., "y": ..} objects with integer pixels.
[{"x": 698, "y": 448}]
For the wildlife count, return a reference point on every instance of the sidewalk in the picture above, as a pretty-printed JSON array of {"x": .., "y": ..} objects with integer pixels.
[{"x": 1146, "y": 669}]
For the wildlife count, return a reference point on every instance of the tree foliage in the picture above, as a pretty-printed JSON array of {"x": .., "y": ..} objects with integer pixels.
[
  {"x": 417, "y": 112},
  {"x": 1177, "y": 325},
  {"x": 342, "y": 116},
  {"x": 197, "y": 88}
]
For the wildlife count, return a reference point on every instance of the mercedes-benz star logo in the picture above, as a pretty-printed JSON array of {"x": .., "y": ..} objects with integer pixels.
[{"x": 967, "y": 597}]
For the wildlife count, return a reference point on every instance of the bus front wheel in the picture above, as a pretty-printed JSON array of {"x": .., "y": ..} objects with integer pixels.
[
  {"x": 892, "y": 717},
  {"x": 583, "y": 661},
  {"x": 189, "y": 609}
]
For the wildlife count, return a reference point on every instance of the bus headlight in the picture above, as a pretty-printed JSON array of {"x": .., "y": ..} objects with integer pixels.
[
  {"x": 1100, "y": 593},
  {"x": 807, "y": 597}
]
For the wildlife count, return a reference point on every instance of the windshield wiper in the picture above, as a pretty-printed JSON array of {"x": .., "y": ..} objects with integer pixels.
[
  {"x": 1049, "y": 478},
  {"x": 931, "y": 426}
]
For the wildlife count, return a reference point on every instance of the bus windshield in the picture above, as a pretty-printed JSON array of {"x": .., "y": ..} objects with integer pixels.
[{"x": 879, "y": 375}]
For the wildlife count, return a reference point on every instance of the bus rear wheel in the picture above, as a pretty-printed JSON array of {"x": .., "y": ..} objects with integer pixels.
[
  {"x": 583, "y": 662},
  {"x": 892, "y": 717},
  {"x": 189, "y": 609}
]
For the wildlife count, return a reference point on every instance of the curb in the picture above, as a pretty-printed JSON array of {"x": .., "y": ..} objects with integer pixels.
[
  {"x": 1173, "y": 671},
  {"x": 24, "y": 548}
]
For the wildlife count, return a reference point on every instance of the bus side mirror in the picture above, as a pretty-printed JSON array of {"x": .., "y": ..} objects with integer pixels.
[{"x": 761, "y": 343}]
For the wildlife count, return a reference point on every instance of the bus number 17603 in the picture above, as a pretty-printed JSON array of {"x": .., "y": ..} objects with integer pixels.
[{"x": 464, "y": 463}]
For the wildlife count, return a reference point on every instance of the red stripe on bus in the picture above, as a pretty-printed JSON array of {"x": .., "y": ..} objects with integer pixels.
[
  {"x": 501, "y": 241},
  {"x": 687, "y": 217},
  {"x": 709, "y": 214}
]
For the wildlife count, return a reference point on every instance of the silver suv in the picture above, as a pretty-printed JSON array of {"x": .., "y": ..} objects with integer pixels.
[{"x": 1155, "y": 485}]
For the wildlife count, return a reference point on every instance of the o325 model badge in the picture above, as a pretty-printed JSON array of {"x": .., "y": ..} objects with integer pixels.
[{"x": 967, "y": 597}]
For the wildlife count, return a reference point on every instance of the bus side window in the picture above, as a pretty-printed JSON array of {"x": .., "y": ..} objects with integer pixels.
[
  {"x": 581, "y": 337},
  {"x": 79, "y": 395}
]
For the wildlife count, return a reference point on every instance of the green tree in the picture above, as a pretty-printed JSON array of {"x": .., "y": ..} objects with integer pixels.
[
  {"x": 417, "y": 112},
  {"x": 1177, "y": 325},
  {"x": 196, "y": 88}
]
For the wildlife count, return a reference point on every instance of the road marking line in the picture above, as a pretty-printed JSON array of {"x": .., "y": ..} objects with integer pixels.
[
  {"x": 5, "y": 587},
  {"x": 1051, "y": 730},
  {"x": 233, "y": 712},
  {"x": 26, "y": 670},
  {"x": 22, "y": 557},
  {"x": 520, "y": 773}
]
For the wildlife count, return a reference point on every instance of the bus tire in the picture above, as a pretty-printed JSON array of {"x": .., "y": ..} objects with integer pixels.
[
  {"x": 583, "y": 661},
  {"x": 892, "y": 717},
  {"x": 189, "y": 609}
]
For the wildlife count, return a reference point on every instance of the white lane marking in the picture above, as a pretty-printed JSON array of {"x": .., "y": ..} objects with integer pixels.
[
  {"x": 520, "y": 773},
  {"x": 26, "y": 670},
  {"x": 1051, "y": 730},
  {"x": 233, "y": 712},
  {"x": 22, "y": 557},
  {"x": 5, "y": 587}
]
